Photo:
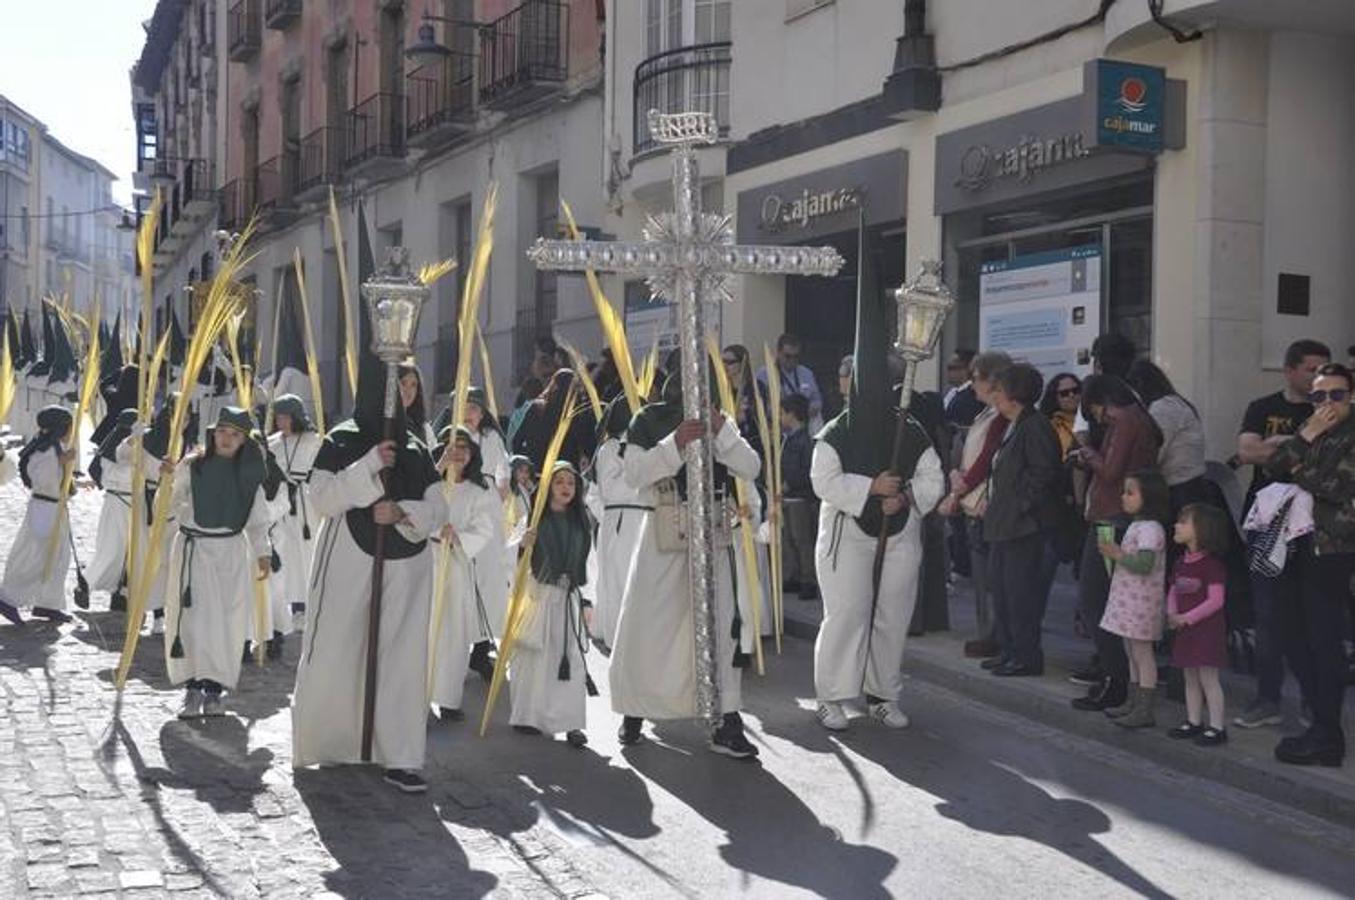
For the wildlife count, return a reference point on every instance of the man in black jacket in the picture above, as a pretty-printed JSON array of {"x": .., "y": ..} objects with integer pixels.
[{"x": 800, "y": 505}]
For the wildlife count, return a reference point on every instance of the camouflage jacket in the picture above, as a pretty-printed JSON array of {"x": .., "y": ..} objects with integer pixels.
[{"x": 1326, "y": 469}]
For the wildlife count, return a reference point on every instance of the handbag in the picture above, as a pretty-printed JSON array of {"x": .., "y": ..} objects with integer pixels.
[
  {"x": 1261, "y": 544},
  {"x": 672, "y": 520}
]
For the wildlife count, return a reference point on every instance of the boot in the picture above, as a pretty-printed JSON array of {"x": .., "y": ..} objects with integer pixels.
[
  {"x": 1131, "y": 700},
  {"x": 1141, "y": 715}
]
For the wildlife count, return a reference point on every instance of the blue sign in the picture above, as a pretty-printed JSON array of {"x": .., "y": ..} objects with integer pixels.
[{"x": 1130, "y": 99}]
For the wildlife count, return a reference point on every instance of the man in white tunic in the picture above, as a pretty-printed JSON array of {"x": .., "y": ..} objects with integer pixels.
[
  {"x": 35, "y": 571},
  {"x": 653, "y": 671},
  {"x": 870, "y": 476},
  {"x": 294, "y": 446}
]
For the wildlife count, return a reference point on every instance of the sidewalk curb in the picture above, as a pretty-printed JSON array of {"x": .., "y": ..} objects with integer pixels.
[{"x": 1269, "y": 782}]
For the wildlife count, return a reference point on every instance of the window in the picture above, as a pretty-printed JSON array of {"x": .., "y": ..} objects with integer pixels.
[
  {"x": 547, "y": 223},
  {"x": 711, "y": 21},
  {"x": 663, "y": 26}
]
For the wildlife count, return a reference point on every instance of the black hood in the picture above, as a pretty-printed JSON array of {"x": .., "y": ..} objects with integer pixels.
[
  {"x": 42, "y": 361},
  {"x": 16, "y": 350},
  {"x": 26, "y": 345},
  {"x": 62, "y": 357},
  {"x": 119, "y": 390},
  {"x": 110, "y": 360},
  {"x": 291, "y": 347},
  {"x": 178, "y": 344}
]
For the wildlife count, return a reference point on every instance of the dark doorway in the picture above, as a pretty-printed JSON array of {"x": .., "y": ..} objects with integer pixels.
[{"x": 822, "y": 311}]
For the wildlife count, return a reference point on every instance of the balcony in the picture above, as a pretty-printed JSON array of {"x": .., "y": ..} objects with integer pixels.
[
  {"x": 321, "y": 162},
  {"x": 273, "y": 192},
  {"x": 376, "y": 130},
  {"x": 688, "y": 79},
  {"x": 236, "y": 200},
  {"x": 244, "y": 32},
  {"x": 195, "y": 188},
  {"x": 524, "y": 54},
  {"x": 280, "y": 14},
  {"x": 441, "y": 102}
]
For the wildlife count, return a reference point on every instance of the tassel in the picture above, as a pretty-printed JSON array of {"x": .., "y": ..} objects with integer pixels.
[
  {"x": 564, "y": 673},
  {"x": 741, "y": 660},
  {"x": 275, "y": 561},
  {"x": 306, "y": 531},
  {"x": 81, "y": 591},
  {"x": 186, "y": 598},
  {"x": 590, "y": 685},
  {"x": 176, "y": 651}
]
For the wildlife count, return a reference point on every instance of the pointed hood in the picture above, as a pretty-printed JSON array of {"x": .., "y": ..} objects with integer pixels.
[
  {"x": 42, "y": 360},
  {"x": 26, "y": 345},
  {"x": 15, "y": 342},
  {"x": 119, "y": 390},
  {"x": 350, "y": 440},
  {"x": 178, "y": 344},
  {"x": 863, "y": 434},
  {"x": 65, "y": 367},
  {"x": 110, "y": 359},
  {"x": 291, "y": 345}
]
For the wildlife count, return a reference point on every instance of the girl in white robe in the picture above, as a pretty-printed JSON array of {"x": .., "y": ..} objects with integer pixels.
[
  {"x": 107, "y": 571},
  {"x": 653, "y": 669},
  {"x": 619, "y": 523},
  {"x": 154, "y": 447},
  {"x": 29, "y": 578},
  {"x": 294, "y": 446},
  {"x": 474, "y": 520},
  {"x": 346, "y": 492},
  {"x": 547, "y": 675},
  {"x": 220, "y": 551},
  {"x": 492, "y": 564}
]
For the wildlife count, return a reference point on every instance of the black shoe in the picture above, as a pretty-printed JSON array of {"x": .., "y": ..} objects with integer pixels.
[
  {"x": 52, "y": 615},
  {"x": 11, "y": 613},
  {"x": 576, "y": 739},
  {"x": 1108, "y": 695},
  {"x": 809, "y": 592},
  {"x": 1211, "y": 737},
  {"x": 729, "y": 739},
  {"x": 407, "y": 780},
  {"x": 447, "y": 714},
  {"x": 527, "y": 729},
  {"x": 1308, "y": 749},
  {"x": 1185, "y": 731},
  {"x": 1017, "y": 670},
  {"x": 117, "y": 602},
  {"x": 631, "y": 733},
  {"x": 994, "y": 662},
  {"x": 480, "y": 660},
  {"x": 1088, "y": 677}
]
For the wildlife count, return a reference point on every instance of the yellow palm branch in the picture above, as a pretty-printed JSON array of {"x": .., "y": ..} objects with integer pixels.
[
  {"x": 774, "y": 483},
  {"x": 8, "y": 385},
  {"x": 350, "y": 342},
  {"x": 312, "y": 368},
  {"x": 486, "y": 371},
  {"x": 470, "y": 302},
  {"x": 581, "y": 370},
  {"x": 430, "y": 273}
]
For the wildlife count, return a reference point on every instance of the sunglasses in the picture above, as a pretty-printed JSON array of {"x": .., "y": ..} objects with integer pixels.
[
  {"x": 1070, "y": 392},
  {"x": 730, "y": 362},
  {"x": 1336, "y": 395}
]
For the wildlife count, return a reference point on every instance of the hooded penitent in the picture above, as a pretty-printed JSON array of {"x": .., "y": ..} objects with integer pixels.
[
  {"x": 43, "y": 359},
  {"x": 615, "y": 419},
  {"x": 120, "y": 430},
  {"x": 290, "y": 405},
  {"x": 656, "y": 421},
  {"x": 178, "y": 344},
  {"x": 53, "y": 422},
  {"x": 30, "y": 352},
  {"x": 16, "y": 351},
  {"x": 110, "y": 359},
  {"x": 65, "y": 368},
  {"x": 224, "y": 488},
  {"x": 473, "y": 471},
  {"x": 119, "y": 391},
  {"x": 864, "y": 433},
  {"x": 291, "y": 344},
  {"x": 350, "y": 440}
]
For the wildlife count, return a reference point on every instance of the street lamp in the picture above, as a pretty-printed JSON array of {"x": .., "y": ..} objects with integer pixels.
[
  {"x": 923, "y": 305},
  {"x": 426, "y": 50}
]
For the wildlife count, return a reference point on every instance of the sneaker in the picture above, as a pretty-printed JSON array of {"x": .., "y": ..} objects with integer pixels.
[
  {"x": 406, "y": 780},
  {"x": 576, "y": 739},
  {"x": 212, "y": 707},
  {"x": 832, "y": 716},
  {"x": 192, "y": 704},
  {"x": 1259, "y": 714},
  {"x": 729, "y": 739},
  {"x": 1211, "y": 737},
  {"x": 1185, "y": 731},
  {"x": 630, "y": 733},
  {"x": 888, "y": 714}
]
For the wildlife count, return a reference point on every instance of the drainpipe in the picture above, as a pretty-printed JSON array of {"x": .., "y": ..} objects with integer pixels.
[{"x": 913, "y": 88}]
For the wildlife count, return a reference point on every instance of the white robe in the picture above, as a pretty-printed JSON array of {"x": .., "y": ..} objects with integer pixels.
[
  {"x": 24, "y": 584},
  {"x": 327, "y": 707},
  {"x": 618, "y": 536},
  {"x": 105, "y": 570},
  {"x": 653, "y": 673},
  {"x": 540, "y": 699},
  {"x": 151, "y": 468},
  {"x": 493, "y": 569},
  {"x": 761, "y": 535},
  {"x": 473, "y": 512},
  {"x": 853, "y": 654},
  {"x": 220, "y": 574},
  {"x": 295, "y": 455}
]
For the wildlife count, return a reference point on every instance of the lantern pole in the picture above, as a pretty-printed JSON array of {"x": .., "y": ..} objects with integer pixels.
[{"x": 394, "y": 299}]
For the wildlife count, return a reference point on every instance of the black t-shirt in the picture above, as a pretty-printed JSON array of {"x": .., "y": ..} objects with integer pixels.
[{"x": 1268, "y": 416}]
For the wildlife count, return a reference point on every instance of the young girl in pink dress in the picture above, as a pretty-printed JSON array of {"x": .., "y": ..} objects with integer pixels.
[
  {"x": 1135, "y": 608},
  {"x": 1195, "y": 612}
]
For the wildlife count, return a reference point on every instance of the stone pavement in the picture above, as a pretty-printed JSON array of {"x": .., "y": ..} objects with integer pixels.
[{"x": 102, "y": 802}]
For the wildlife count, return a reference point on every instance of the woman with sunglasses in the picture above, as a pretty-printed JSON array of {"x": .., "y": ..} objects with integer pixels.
[
  {"x": 1059, "y": 405},
  {"x": 1321, "y": 460}
]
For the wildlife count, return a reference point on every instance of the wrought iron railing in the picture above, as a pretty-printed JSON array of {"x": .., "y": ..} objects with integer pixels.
[
  {"x": 322, "y": 154},
  {"x": 376, "y": 127},
  {"x": 526, "y": 45},
  {"x": 244, "y": 30},
  {"x": 236, "y": 198},
  {"x": 688, "y": 79},
  {"x": 439, "y": 94},
  {"x": 195, "y": 184},
  {"x": 269, "y": 186}
]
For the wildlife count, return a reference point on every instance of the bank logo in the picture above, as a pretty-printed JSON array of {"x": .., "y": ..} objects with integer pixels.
[{"x": 1133, "y": 95}]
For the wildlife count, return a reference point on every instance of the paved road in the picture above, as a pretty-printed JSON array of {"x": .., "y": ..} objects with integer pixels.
[{"x": 970, "y": 800}]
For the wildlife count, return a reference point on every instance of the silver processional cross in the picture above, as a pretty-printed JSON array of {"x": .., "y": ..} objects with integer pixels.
[{"x": 686, "y": 256}]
